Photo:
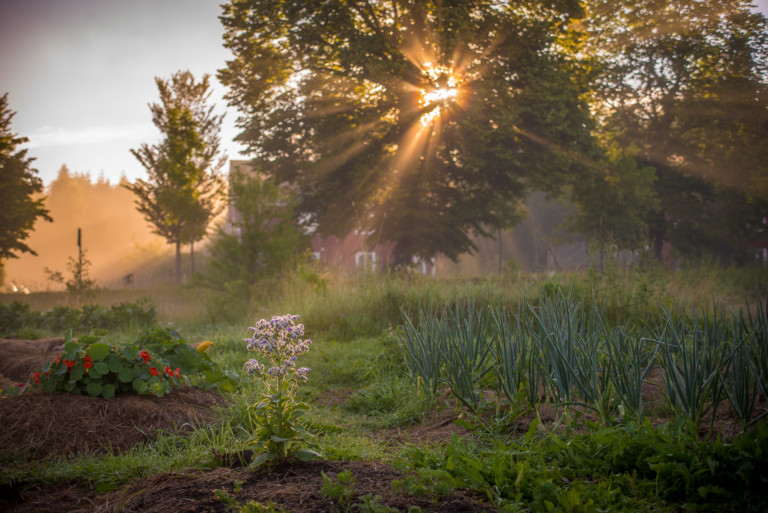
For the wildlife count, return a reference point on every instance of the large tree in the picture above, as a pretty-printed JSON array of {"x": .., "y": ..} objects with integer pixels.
[
  {"x": 20, "y": 190},
  {"x": 420, "y": 122},
  {"x": 685, "y": 83},
  {"x": 184, "y": 186}
]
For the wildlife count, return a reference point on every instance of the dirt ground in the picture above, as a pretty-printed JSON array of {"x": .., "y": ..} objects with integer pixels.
[{"x": 35, "y": 426}]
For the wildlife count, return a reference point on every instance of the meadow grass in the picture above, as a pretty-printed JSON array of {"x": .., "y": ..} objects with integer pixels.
[{"x": 360, "y": 386}]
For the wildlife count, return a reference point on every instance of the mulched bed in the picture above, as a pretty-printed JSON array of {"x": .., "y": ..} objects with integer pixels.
[
  {"x": 295, "y": 488},
  {"x": 37, "y": 425}
]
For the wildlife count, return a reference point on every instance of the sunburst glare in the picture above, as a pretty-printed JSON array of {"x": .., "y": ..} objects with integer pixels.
[{"x": 444, "y": 89}]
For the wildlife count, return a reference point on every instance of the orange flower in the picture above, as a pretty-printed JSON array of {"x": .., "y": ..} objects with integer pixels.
[
  {"x": 168, "y": 370},
  {"x": 178, "y": 372}
]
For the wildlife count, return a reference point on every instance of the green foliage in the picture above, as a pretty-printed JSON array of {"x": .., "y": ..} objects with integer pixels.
[
  {"x": 368, "y": 151},
  {"x": 157, "y": 362},
  {"x": 260, "y": 244},
  {"x": 618, "y": 468},
  {"x": 340, "y": 490},
  {"x": 16, "y": 316},
  {"x": 20, "y": 190},
  {"x": 614, "y": 202},
  {"x": 566, "y": 351},
  {"x": 690, "y": 97},
  {"x": 184, "y": 189}
]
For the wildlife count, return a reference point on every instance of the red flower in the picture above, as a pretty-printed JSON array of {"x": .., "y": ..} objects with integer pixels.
[
  {"x": 178, "y": 372},
  {"x": 69, "y": 364},
  {"x": 145, "y": 356},
  {"x": 168, "y": 370},
  {"x": 58, "y": 358},
  {"x": 21, "y": 385},
  {"x": 88, "y": 363},
  {"x": 153, "y": 371},
  {"x": 36, "y": 375}
]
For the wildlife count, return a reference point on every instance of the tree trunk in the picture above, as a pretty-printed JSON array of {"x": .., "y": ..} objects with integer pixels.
[
  {"x": 178, "y": 261},
  {"x": 192, "y": 256}
]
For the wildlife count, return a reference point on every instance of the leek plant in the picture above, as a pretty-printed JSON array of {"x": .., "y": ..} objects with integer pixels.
[
  {"x": 691, "y": 357},
  {"x": 423, "y": 344},
  {"x": 467, "y": 351}
]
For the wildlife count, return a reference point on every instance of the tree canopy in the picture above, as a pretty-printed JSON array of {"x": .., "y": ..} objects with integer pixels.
[
  {"x": 685, "y": 83},
  {"x": 20, "y": 190},
  {"x": 184, "y": 188},
  {"x": 422, "y": 123}
]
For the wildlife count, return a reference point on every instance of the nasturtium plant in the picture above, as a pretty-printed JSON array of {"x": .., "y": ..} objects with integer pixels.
[{"x": 157, "y": 362}]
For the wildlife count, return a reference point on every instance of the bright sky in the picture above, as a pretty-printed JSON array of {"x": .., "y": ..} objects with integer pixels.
[{"x": 80, "y": 74}]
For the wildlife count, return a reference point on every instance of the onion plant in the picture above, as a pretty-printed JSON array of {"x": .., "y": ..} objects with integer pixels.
[
  {"x": 629, "y": 364},
  {"x": 467, "y": 351},
  {"x": 512, "y": 355},
  {"x": 691, "y": 357},
  {"x": 739, "y": 375},
  {"x": 423, "y": 343}
]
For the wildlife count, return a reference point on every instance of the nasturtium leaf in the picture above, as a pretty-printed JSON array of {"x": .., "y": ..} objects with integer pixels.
[
  {"x": 126, "y": 374},
  {"x": 76, "y": 372},
  {"x": 101, "y": 367},
  {"x": 140, "y": 385},
  {"x": 70, "y": 350},
  {"x": 93, "y": 388},
  {"x": 98, "y": 351},
  {"x": 130, "y": 352},
  {"x": 107, "y": 391},
  {"x": 115, "y": 365}
]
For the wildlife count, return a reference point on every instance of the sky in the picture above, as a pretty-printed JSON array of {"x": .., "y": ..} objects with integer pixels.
[{"x": 80, "y": 75}]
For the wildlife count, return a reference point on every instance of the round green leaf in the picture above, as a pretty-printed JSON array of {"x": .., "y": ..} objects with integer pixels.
[
  {"x": 98, "y": 351},
  {"x": 126, "y": 374},
  {"x": 107, "y": 391},
  {"x": 130, "y": 352},
  {"x": 76, "y": 372},
  {"x": 101, "y": 367},
  {"x": 93, "y": 388},
  {"x": 115, "y": 365},
  {"x": 140, "y": 385}
]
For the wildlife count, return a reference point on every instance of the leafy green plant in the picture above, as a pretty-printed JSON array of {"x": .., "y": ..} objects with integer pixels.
[
  {"x": 92, "y": 367},
  {"x": 17, "y": 316},
  {"x": 157, "y": 362},
  {"x": 279, "y": 433},
  {"x": 340, "y": 490}
]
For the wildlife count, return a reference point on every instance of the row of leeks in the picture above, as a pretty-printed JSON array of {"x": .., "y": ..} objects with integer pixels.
[{"x": 565, "y": 353}]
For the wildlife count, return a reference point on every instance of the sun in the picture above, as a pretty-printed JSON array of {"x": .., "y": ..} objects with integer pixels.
[{"x": 442, "y": 91}]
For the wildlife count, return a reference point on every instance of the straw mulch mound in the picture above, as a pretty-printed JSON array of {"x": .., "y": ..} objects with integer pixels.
[
  {"x": 295, "y": 488},
  {"x": 23, "y": 357},
  {"x": 37, "y": 425}
]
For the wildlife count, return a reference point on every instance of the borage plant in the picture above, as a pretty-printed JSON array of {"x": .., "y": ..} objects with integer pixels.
[{"x": 278, "y": 414}]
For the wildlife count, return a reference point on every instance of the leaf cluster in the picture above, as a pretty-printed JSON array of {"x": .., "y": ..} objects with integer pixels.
[
  {"x": 157, "y": 362},
  {"x": 16, "y": 316},
  {"x": 20, "y": 190}
]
